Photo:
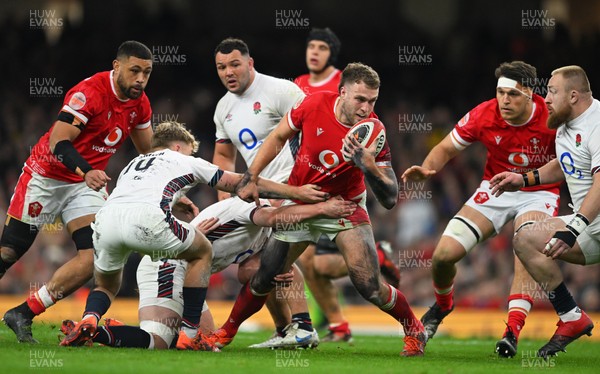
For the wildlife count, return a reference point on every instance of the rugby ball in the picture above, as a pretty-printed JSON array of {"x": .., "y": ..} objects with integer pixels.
[{"x": 366, "y": 132}]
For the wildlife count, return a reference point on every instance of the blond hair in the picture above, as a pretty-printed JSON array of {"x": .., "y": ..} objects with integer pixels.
[
  {"x": 575, "y": 78},
  {"x": 171, "y": 131}
]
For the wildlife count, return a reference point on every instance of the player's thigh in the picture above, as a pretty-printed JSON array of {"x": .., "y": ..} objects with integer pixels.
[
  {"x": 306, "y": 259},
  {"x": 81, "y": 206},
  {"x": 200, "y": 247},
  {"x": 160, "y": 283},
  {"x": 358, "y": 250}
]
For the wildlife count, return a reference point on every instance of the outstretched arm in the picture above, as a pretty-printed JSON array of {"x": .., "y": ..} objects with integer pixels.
[
  {"x": 335, "y": 207},
  {"x": 508, "y": 181},
  {"x": 273, "y": 144},
  {"x": 269, "y": 189},
  {"x": 434, "y": 162}
]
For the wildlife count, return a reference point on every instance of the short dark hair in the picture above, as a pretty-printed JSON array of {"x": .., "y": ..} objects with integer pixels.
[
  {"x": 357, "y": 72},
  {"x": 135, "y": 49},
  {"x": 329, "y": 37},
  {"x": 230, "y": 44},
  {"x": 518, "y": 71}
]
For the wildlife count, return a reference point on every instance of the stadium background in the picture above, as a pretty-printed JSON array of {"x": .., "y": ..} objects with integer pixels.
[{"x": 436, "y": 60}]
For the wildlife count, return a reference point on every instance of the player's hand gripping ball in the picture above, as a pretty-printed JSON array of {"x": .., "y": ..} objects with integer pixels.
[{"x": 367, "y": 132}]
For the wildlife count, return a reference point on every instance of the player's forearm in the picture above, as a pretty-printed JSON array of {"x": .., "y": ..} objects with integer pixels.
[
  {"x": 269, "y": 189},
  {"x": 439, "y": 156},
  {"x": 270, "y": 217},
  {"x": 551, "y": 173},
  {"x": 384, "y": 185}
]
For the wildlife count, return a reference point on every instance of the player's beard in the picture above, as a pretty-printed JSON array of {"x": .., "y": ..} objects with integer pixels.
[
  {"x": 127, "y": 90},
  {"x": 558, "y": 117}
]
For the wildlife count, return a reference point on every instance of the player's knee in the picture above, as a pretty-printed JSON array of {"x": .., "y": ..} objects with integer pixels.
[
  {"x": 447, "y": 255},
  {"x": 527, "y": 240},
  {"x": 459, "y": 237},
  {"x": 16, "y": 240}
]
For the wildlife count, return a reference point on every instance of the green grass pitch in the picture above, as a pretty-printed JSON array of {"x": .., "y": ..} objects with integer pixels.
[{"x": 370, "y": 354}]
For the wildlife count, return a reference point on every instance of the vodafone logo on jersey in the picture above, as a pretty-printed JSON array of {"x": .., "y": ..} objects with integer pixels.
[
  {"x": 329, "y": 159},
  {"x": 518, "y": 159},
  {"x": 114, "y": 137}
]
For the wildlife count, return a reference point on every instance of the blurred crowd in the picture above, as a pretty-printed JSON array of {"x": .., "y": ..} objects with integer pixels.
[{"x": 419, "y": 105}]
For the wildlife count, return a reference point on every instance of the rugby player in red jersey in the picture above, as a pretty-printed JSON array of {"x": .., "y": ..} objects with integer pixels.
[
  {"x": 64, "y": 176},
  {"x": 324, "y": 119},
  {"x": 513, "y": 129},
  {"x": 322, "y": 262}
]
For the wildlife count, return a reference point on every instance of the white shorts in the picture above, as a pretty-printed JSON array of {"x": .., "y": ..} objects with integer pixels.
[
  {"x": 120, "y": 230},
  {"x": 310, "y": 230},
  {"x": 39, "y": 200},
  {"x": 589, "y": 240},
  {"x": 510, "y": 205}
]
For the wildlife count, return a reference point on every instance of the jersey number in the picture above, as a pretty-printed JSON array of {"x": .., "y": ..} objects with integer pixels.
[{"x": 141, "y": 165}]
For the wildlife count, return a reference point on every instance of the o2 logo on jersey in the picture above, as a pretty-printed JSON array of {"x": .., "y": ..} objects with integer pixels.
[
  {"x": 329, "y": 159},
  {"x": 568, "y": 166},
  {"x": 248, "y": 139},
  {"x": 518, "y": 159},
  {"x": 114, "y": 137}
]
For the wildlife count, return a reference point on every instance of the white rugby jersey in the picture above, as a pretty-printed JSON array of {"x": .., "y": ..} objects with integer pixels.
[
  {"x": 160, "y": 178},
  {"x": 578, "y": 152},
  {"x": 247, "y": 119},
  {"x": 237, "y": 237}
]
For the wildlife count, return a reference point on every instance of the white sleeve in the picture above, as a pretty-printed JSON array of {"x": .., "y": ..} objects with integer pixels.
[
  {"x": 219, "y": 119},
  {"x": 205, "y": 172},
  {"x": 594, "y": 149}
]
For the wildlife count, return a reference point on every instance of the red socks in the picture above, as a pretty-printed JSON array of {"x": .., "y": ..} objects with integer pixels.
[{"x": 245, "y": 306}]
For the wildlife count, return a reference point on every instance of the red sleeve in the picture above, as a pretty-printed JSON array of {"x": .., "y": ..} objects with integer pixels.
[
  {"x": 466, "y": 131},
  {"x": 145, "y": 114},
  {"x": 296, "y": 114},
  {"x": 384, "y": 158},
  {"x": 83, "y": 101}
]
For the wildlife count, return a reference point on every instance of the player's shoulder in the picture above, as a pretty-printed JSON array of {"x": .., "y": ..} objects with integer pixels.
[
  {"x": 481, "y": 115},
  {"x": 321, "y": 98},
  {"x": 98, "y": 81},
  {"x": 273, "y": 84}
]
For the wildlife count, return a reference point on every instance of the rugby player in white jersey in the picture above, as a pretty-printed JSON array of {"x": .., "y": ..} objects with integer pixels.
[
  {"x": 244, "y": 117},
  {"x": 574, "y": 238},
  {"x": 237, "y": 238},
  {"x": 138, "y": 217}
]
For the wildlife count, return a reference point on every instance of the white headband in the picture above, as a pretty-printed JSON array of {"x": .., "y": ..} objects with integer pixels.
[{"x": 504, "y": 82}]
